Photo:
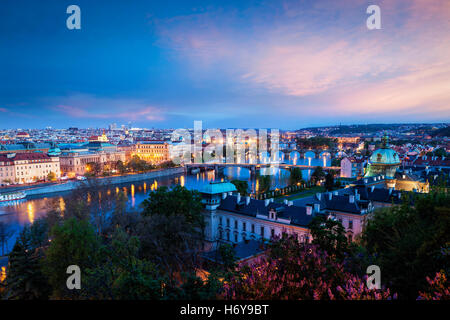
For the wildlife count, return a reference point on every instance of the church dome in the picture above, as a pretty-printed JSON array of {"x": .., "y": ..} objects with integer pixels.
[
  {"x": 383, "y": 162},
  {"x": 218, "y": 188},
  {"x": 384, "y": 156}
]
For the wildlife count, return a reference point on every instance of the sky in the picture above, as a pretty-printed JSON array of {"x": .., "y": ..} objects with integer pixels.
[{"x": 237, "y": 64}]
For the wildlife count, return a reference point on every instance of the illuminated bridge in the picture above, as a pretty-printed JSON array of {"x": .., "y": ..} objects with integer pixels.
[{"x": 253, "y": 167}]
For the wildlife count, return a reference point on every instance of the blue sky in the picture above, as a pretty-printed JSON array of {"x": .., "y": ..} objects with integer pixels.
[{"x": 279, "y": 64}]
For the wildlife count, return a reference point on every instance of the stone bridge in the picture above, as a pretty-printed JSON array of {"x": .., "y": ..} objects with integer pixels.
[{"x": 253, "y": 167}]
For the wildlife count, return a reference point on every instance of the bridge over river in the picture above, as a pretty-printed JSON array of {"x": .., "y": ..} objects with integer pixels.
[{"x": 253, "y": 167}]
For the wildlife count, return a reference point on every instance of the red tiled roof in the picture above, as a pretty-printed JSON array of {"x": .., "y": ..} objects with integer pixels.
[
  {"x": 24, "y": 156},
  {"x": 430, "y": 162}
]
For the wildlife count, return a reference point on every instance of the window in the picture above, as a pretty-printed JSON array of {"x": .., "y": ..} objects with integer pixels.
[
  {"x": 235, "y": 238},
  {"x": 228, "y": 222},
  {"x": 262, "y": 232},
  {"x": 235, "y": 224},
  {"x": 350, "y": 224},
  {"x": 244, "y": 226},
  {"x": 253, "y": 228},
  {"x": 272, "y": 233},
  {"x": 220, "y": 222}
]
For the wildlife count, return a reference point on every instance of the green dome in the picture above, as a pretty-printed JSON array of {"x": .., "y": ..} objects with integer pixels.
[
  {"x": 53, "y": 152},
  {"x": 384, "y": 156},
  {"x": 218, "y": 188}
]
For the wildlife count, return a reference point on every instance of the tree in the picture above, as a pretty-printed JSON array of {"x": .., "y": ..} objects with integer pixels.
[
  {"x": 121, "y": 167},
  {"x": 264, "y": 183},
  {"x": 305, "y": 273},
  {"x": 93, "y": 168},
  {"x": 170, "y": 242},
  {"x": 121, "y": 274},
  {"x": 241, "y": 186},
  {"x": 296, "y": 176},
  {"x": 329, "y": 181},
  {"x": 25, "y": 279},
  {"x": 318, "y": 174},
  {"x": 438, "y": 289},
  {"x": 138, "y": 165},
  {"x": 51, "y": 176},
  {"x": 73, "y": 243},
  {"x": 410, "y": 242},
  {"x": 329, "y": 235},
  {"x": 175, "y": 201}
]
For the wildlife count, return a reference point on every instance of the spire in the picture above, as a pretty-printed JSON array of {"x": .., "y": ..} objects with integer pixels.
[{"x": 385, "y": 140}]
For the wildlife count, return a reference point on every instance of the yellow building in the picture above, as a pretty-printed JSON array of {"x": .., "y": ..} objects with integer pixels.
[{"x": 154, "y": 152}]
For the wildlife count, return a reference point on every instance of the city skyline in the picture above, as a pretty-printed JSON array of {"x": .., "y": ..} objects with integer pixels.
[{"x": 258, "y": 64}]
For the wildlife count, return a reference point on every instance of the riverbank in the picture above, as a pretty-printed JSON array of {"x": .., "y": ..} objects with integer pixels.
[{"x": 71, "y": 185}]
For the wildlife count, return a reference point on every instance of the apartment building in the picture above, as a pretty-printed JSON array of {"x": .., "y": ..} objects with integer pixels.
[
  {"x": 27, "y": 167},
  {"x": 154, "y": 151}
]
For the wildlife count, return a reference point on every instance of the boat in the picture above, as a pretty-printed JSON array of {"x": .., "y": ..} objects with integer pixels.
[{"x": 12, "y": 196}]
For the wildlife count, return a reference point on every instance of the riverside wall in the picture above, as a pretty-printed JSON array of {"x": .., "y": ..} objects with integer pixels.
[{"x": 70, "y": 185}]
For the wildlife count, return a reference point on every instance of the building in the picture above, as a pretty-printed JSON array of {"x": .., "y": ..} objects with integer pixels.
[
  {"x": 75, "y": 157},
  {"x": 384, "y": 161},
  {"x": 155, "y": 151},
  {"x": 352, "y": 167},
  {"x": 27, "y": 167},
  {"x": 75, "y": 162}
]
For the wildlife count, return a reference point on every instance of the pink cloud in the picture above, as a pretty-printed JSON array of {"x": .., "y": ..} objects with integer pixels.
[
  {"x": 3, "y": 110},
  {"x": 147, "y": 113},
  {"x": 89, "y": 107}
]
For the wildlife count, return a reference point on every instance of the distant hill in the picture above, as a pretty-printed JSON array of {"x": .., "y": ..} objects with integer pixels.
[{"x": 443, "y": 132}]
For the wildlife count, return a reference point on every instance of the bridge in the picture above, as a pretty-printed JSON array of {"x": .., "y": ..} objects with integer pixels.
[
  {"x": 302, "y": 152},
  {"x": 254, "y": 166}
]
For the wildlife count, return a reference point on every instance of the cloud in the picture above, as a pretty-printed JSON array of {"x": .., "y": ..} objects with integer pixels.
[
  {"x": 89, "y": 107},
  {"x": 3, "y": 110}
]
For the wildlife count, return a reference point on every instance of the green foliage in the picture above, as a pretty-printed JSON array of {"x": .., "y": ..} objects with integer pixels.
[
  {"x": 175, "y": 201},
  {"x": 329, "y": 235},
  {"x": 138, "y": 165},
  {"x": 121, "y": 274},
  {"x": 318, "y": 174},
  {"x": 410, "y": 242},
  {"x": 51, "y": 176},
  {"x": 316, "y": 143},
  {"x": 227, "y": 256},
  {"x": 264, "y": 183},
  {"x": 72, "y": 243},
  {"x": 121, "y": 167},
  {"x": 25, "y": 279},
  {"x": 241, "y": 186},
  {"x": 329, "y": 182},
  {"x": 295, "y": 176},
  {"x": 93, "y": 168}
]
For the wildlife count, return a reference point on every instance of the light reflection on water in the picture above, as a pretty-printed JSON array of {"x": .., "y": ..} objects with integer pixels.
[{"x": 16, "y": 214}]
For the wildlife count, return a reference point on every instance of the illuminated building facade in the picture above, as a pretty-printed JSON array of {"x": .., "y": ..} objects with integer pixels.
[
  {"x": 154, "y": 152},
  {"x": 27, "y": 167}
]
